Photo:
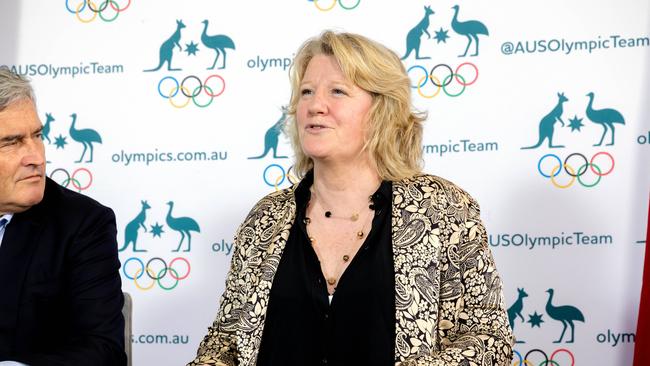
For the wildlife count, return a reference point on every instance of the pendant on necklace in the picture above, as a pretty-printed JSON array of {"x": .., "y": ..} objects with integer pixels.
[
  {"x": 346, "y": 258},
  {"x": 331, "y": 281}
]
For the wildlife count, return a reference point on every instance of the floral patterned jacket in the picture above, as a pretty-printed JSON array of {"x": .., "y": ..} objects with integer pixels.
[{"x": 448, "y": 295}]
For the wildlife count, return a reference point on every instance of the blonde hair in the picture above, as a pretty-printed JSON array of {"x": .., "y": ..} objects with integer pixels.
[{"x": 394, "y": 138}]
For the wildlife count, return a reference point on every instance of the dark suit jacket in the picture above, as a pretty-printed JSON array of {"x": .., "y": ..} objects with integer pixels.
[{"x": 60, "y": 289}]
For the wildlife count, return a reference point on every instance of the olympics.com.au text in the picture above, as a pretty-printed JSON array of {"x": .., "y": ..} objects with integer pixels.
[
  {"x": 160, "y": 338},
  {"x": 156, "y": 156}
]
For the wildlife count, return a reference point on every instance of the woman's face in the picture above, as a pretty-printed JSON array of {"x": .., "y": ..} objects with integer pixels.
[{"x": 332, "y": 113}]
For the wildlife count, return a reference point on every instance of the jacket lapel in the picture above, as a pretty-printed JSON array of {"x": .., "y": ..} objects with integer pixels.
[
  {"x": 273, "y": 227},
  {"x": 414, "y": 234},
  {"x": 19, "y": 244}
]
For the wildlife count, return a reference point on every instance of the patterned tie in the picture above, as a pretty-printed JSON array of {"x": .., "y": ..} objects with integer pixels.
[{"x": 3, "y": 222}]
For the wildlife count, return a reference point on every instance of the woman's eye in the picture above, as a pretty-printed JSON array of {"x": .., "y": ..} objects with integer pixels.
[{"x": 305, "y": 92}]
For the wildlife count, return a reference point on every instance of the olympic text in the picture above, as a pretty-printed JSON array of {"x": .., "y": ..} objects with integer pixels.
[
  {"x": 263, "y": 63},
  {"x": 461, "y": 146},
  {"x": 127, "y": 158},
  {"x": 54, "y": 71},
  {"x": 614, "y": 338},
  {"x": 576, "y": 238},
  {"x": 223, "y": 246},
  {"x": 160, "y": 339},
  {"x": 566, "y": 46}
]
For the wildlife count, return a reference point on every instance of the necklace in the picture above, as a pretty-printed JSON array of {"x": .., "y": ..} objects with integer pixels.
[
  {"x": 359, "y": 234},
  {"x": 328, "y": 213}
]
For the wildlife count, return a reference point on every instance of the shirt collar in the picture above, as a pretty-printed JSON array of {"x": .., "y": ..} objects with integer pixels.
[{"x": 7, "y": 217}]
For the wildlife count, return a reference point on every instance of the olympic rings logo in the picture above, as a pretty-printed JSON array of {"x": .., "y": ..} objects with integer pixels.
[
  {"x": 95, "y": 10},
  {"x": 64, "y": 178},
  {"x": 587, "y": 165},
  {"x": 278, "y": 176},
  {"x": 546, "y": 360},
  {"x": 156, "y": 275},
  {"x": 441, "y": 77},
  {"x": 333, "y": 4},
  {"x": 196, "y": 89}
]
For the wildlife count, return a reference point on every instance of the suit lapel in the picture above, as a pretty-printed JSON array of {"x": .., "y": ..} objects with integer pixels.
[{"x": 19, "y": 244}]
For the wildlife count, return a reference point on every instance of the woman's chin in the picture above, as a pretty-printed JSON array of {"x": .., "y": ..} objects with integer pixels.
[{"x": 316, "y": 153}]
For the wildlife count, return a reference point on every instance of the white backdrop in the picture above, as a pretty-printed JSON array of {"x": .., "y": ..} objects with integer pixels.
[{"x": 584, "y": 241}]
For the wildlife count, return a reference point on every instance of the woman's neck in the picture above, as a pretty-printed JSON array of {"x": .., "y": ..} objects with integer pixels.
[{"x": 345, "y": 186}]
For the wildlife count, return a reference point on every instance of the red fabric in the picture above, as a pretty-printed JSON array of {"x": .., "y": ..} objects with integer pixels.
[{"x": 642, "y": 343}]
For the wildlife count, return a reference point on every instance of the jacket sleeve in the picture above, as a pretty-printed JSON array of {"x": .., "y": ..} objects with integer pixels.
[
  {"x": 93, "y": 298},
  {"x": 219, "y": 346},
  {"x": 473, "y": 325}
]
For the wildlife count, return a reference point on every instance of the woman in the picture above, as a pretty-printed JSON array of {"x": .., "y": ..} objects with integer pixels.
[{"x": 366, "y": 261}]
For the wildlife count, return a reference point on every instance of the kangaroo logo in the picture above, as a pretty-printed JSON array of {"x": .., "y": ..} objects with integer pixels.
[
  {"x": 131, "y": 230},
  {"x": 59, "y": 141},
  {"x": 218, "y": 43},
  {"x": 167, "y": 48},
  {"x": 413, "y": 36},
  {"x": 566, "y": 314},
  {"x": 516, "y": 308},
  {"x": 46, "y": 128},
  {"x": 86, "y": 137},
  {"x": 546, "y": 129},
  {"x": 184, "y": 225},
  {"x": 182, "y": 91},
  {"x": 604, "y": 117},
  {"x": 470, "y": 29},
  {"x": 64, "y": 165},
  {"x": 272, "y": 137}
]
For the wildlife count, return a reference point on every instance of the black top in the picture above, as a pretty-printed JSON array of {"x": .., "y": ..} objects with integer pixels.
[{"x": 358, "y": 327}]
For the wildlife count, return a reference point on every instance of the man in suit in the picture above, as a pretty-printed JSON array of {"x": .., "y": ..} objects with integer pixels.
[{"x": 60, "y": 289}]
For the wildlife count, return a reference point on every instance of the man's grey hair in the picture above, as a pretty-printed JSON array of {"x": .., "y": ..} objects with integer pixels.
[{"x": 13, "y": 87}]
